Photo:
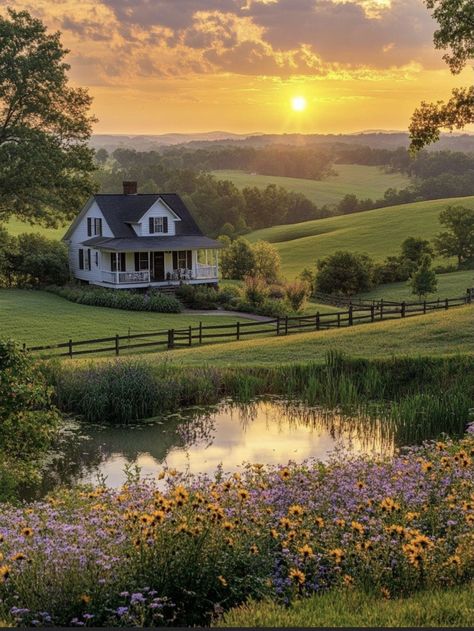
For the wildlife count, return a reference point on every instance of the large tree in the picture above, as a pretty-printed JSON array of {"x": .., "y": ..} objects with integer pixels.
[
  {"x": 458, "y": 238},
  {"x": 45, "y": 161},
  {"x": 455, "y": 35}
]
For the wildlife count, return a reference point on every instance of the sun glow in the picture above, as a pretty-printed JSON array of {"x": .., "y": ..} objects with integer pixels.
[{"x": 298, "y": 104}]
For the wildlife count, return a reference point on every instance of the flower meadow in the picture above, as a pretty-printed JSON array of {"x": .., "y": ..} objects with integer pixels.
[{"x": 180, "y": 550}]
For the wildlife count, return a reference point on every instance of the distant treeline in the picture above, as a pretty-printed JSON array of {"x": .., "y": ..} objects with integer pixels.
[{"x": 221, "y": 208}]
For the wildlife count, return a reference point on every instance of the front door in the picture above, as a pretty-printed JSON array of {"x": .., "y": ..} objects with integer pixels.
[{"x": 158, "y": 266}]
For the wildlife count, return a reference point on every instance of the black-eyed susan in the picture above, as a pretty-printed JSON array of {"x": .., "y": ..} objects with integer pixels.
[
  {"x": 85, "y": 599},
  {"x": 254, "y": 549},
  {"x": 306, "y": 551},
  {"x": 337, "y": 555},
  {"x": 296, "y": 510},
  {"x": 284, "y": 474},
  {"x": 222, "y": 581},
  {"x": 297, "y": 576}
]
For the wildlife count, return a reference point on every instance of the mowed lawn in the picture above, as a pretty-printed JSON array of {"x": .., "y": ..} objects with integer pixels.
[
  {"x": 363, "y": 181},
  {"x": 16, "y": 227},
  {"x": 449, "y": 286},
  {"x": 38, "y": 318},
  {"x": 437, "y": 334},
  {"x": 378, "y": 233}
]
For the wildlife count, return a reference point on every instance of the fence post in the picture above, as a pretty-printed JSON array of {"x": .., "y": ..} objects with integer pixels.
[
  {"x": 237, "y": 326},
  {"x": 372, "y": 313},
  {"x": 70, "y": 348},
  {"x": 424, "y": 306},
  {"x": 170, "y": 339},
  {"x": 446, "y": 304},
  {"x": 278, "y": 326},
  {"x": 117, "y": 344},
  {"x": 190, "y": 341},
  {"x": 318, "y": 322},
  {"x": 338, "y": 319},
  {"x": 351, "y": 321},
  {"x": 286, "y": 325},
  {"x": 200, "y": 332},
  {"x": 469, "y": 296},
  {"x": 403, "y": 309},
  {"x": 381, "y": 308}
]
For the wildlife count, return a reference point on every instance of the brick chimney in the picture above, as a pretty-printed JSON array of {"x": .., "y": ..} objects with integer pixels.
[{"x": 130, "y": 188}]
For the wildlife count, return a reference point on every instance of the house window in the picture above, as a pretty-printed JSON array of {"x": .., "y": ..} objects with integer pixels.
[
  {"x": 117, "y": 262},
  {"x": 81, "y": 259},
  {"x": 183, "y": 259},
  {"x": 141, "y": 261},
  {"x": 158, "y": 225},
  {"x": 98, "y": 226}
]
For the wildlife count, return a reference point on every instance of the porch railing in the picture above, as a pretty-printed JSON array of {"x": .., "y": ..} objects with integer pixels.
[
  {"x": 206, "y": 271},
  {"x": 118, "y": 278}
]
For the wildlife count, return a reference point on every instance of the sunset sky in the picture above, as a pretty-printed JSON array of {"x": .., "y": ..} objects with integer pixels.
[{"x": 158, "y": 66}]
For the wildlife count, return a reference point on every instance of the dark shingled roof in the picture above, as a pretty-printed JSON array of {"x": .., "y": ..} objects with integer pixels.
[
  {"x": 154, "y": 244},
  {"x": 121, "y": 210}
]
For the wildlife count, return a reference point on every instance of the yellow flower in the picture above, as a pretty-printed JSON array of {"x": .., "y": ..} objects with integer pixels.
[
  {"x": 4, "y": 572},
  {"x": 284, "y": 473},
  {"x": 348, "y": 580},
  {"x": 340, "y": 522},
  {"x": 27, "y": 532},
  {"x": 388, "y": 505},
  {"x": 254, "y": 550},
  {"x": 319, "y": 522},
  {"x": 285, "y": 523},
  {"x": 306, "y": 551},
  {"x": 385, "y": 593},
  {"x": 297, "y": 576},
  {"x": 227, "y": 525},
  {"x": 337, "y": 554},
  {"x": 360, "y": 484},
  {"x": 358, "y": 527},
  {"x": 222, "y": 581},
  {"x": 19, "y": 556},
  {"x": 85, "y": 599},
  {"x": 274, "y": 533},
  {"x": 296, "y": 510},
  {"x": 426, "y": 466},
  {"x": 243, "y": 494},
  {"x": 455, "y": 560}
]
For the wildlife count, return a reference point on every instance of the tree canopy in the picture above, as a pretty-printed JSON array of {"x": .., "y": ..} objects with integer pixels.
[
  {"x": 45, "y": 125},
  {"x": 455, "y": 35}
]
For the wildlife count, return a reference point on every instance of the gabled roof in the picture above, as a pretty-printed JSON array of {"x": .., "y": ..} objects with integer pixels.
[
  {"x": 122, "y": 210},
  {"x": 154, "y": 244}
]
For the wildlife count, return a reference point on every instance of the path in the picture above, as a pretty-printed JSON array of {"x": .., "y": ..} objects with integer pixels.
[{"x": 223, "y": 312}]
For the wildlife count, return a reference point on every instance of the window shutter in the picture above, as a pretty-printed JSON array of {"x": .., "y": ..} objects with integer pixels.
[
  {"x": 88, "y": 259},
  {"x": 123, "y": 265},
  {"x": 165, "y": 224},
  {"x": 113, "y": 262},
  {"x": 81, "y": 259},
  {"x": 99, "y": 226},
  {"x": 151, "y": 225},
  {"x": 189, "y": 259},
  {"x": 137, "y": 261},
  {"x": 175, "y": 260},
  {"x": 89, "y": 227}
]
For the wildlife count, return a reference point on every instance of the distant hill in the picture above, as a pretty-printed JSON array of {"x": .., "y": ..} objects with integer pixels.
[
  {"x": 378, "y": 233},
  {"x": 375, "y": 139}
]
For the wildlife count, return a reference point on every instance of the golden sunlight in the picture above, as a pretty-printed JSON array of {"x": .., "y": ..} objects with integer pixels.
[{"x": 298, "y": 103}]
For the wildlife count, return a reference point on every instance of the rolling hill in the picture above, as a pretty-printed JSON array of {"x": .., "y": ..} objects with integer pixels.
[
  {"x": 378, "y": 233},
  {"x": 363, "y": 181}
]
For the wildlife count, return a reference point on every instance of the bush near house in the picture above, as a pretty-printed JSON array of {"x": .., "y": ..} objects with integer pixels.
[{"x": 127, "y": 300}]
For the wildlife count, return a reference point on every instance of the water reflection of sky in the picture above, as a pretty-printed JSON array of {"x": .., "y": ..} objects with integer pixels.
[{"x": 267, "y": 432}]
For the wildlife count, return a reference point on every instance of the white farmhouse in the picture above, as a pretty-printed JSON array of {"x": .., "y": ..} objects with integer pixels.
[{"x": 140, "y": 240}]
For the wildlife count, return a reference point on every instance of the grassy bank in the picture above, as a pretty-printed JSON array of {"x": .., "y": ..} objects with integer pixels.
[
  {"x": 38, "y": 318},
  {"x": 378, "y": 232},
  {"x": 351, "y": 608},
  {"x": 363, "y": 181}
]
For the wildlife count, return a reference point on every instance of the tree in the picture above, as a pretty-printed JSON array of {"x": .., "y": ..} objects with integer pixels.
[
  {"x": 238, "y": 260},
  {"x": 344, "y": 273},
  {"x": 456, "y": 36},
  {"x": 46, "y": 165},
  {"x": 458, "y": 239},
  {"x": 296, "y": 294},
  {"x": 423, "y": 281},
  {"x": 267, "y": 261},
  {"x": 415, "y": 249},
  {"x": 36, "y": 260}
]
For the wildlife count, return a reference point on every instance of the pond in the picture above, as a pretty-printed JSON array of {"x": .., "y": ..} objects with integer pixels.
[{"x": 267, "y": 431}]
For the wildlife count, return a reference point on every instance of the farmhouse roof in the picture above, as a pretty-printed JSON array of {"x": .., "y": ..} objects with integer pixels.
[{"x": 120, "y": 211}]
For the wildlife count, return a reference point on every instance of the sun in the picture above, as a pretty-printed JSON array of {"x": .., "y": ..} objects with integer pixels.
[{"x": 298, "y": 103}]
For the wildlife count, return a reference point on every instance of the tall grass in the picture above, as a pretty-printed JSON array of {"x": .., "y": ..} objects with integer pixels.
[{"x": 419, "y": 397}]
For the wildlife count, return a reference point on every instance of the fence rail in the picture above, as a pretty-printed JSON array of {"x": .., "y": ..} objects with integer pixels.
[{"x": 355, "y": 314}]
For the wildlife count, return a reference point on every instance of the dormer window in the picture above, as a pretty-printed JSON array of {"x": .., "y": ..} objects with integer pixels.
[
  {"x": 158, "y": 225},
  {"x": 94, "y": 226}
]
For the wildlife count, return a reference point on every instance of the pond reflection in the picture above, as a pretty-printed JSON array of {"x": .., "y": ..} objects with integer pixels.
[{"x": 269, "y": 431}]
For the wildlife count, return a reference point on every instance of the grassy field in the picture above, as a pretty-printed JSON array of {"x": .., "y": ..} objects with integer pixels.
[
  {"x": 378, "y": 233},
  {"x": 435, "y": 608},
  {"x": 16, "y": 227},
  {"x": 363, "y": 181},
  {"x": 438, "y": 334},
  {"x": 449, "y": 286},
  {"x": 39, "y": 318}
]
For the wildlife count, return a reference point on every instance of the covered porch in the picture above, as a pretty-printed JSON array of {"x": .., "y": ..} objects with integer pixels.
[{"x": 152, "y": 268}]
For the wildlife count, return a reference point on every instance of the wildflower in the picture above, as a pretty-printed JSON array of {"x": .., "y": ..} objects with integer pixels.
[
  {"x": 181, "y": 495},
  {"x": 243, "y": 494},
  {"x": 27, "y": 532},
  {"x": 254, "y": 549},
  {"x": 426, "y": 466},
  {"x": 230, "y": 542},
  {"x": 4, "y": 572},
  {"x": 297, "y": 576},
  {"x": 455, "y": 560},
  {"x": 337, "y": 555},
  {"x": 285, "y": 523},
  {"x": 360, "y": 484},
  {"x": 273, "y": 533},
  {"x": 296, "y": 510},
  {"x": 341, "y": 523},
  {"x": 319, "y": 522},
  {"x": 388, "y": 505},
  {"x": 348, "y": 580},
  {"x": 284, "y": 473},
  {"x": 182, "y": 527},
  {"x": 19, "y": 556},
  {"x": 385, "y": 593},
  {"x": 227, "y": 525},
  {"x": 222, "y": 581},
  {"x": 85, "y": 599},
  {"x": 411, "y": 516},
  {"x": 306, "y": 551},
  {"x": 358, "y": 527}
]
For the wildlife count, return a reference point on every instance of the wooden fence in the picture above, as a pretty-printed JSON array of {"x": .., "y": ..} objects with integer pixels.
[{"x": 359, "y": 313}]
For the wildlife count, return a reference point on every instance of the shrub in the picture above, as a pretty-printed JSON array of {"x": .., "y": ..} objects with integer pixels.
[
  {"x": 154, "y": 300},
  {"x": 267, "y": 261},
  {"x": 296, "y": 294},
  {"x": 227, "y": 294},
  {"x": 197, "y": 297},
  {"x": 238, "y": 260},
  {"x": 276, "y": 292},
  {"x": 423, "y": 281},
  {"x": 255, "y": 290},
  {"x": 345, "y": 273}
]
